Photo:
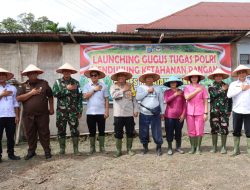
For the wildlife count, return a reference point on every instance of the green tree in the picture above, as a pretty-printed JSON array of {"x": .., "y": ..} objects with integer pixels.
[
  {"x": 1, "y": 28},
  {"x": 26, "y": 21},
  {"x": 41, "y": 24},
  {"x": 70, "y": 27},
  {"x": 53, "y": 27},
  {"x": 11, "y": 25}
]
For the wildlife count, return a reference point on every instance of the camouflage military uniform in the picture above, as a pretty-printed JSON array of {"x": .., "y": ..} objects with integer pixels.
[
  {"x": 220, "y": 107},
  {"x": 69, "y": 105}
]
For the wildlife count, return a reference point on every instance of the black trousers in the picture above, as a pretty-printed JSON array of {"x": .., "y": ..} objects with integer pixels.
[
  {"x": 120, "y": 122},
  {"x": 238, "y": 120},
  {"x": 8, "y": 123},
  {"x": 173, "y": 128},
  {"x": 92, "y": 121}
]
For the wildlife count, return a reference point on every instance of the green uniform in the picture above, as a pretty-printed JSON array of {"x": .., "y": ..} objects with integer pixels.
[
  {"x": 69, "y": 105},
  {"x": 220, "y": 107}
]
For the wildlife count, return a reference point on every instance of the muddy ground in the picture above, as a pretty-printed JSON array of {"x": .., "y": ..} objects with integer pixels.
[{"x": 103, "y": 171}]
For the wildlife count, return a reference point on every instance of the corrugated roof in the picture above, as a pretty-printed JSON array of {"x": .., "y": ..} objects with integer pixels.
[
  {"x": 127, "y": 27},
  {"x": 141, "y": 37},
  {"x": 207, "y": 16}
]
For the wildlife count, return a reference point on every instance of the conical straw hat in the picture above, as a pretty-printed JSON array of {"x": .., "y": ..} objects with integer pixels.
[
  {"x": 149, "y": 73},
  {"x": 68, "y": 67},
  {"x": 31, "y": 68},
  {"x": 193, "y": 73},
  {"x": 240, "y": 68},
  {"x": 121, "y": 71},
  {"x": 100, "y": 76},
  {"x": 218, "y": 71},
  {"x": 9, "y": 74}
]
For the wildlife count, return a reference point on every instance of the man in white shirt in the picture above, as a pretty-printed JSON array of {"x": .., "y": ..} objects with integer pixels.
[
  {"x": 96, "y": 95},
  {"x": 9, "y": 113},
  {"x": 239, "y": 91}
]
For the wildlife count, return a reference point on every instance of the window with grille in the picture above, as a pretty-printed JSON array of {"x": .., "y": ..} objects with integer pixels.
[{"x": 245, "y": 59}]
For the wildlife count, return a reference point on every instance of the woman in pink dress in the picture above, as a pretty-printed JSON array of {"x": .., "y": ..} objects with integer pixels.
[{"x": 197, "y": 109}]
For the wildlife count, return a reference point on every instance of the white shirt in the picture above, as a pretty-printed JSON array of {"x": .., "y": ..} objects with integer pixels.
[
  {"x": 96, "y": 103},
  {"x": 8, "y": 103},
  {"x": 241, "y": 99}
]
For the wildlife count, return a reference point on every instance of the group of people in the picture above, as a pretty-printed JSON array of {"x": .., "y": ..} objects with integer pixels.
[{"x": 147, "y": 102}]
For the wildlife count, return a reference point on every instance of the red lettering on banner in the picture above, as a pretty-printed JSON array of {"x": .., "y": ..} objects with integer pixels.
[
  {"x": 154, "y": 59},
  {"x": 205, "y": 58},
  {"x": 180, "y": 59},
  {"x": 118, "y": 59}
]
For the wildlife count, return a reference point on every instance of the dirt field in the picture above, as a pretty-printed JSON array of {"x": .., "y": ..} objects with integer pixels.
[{"x": 206, "y": 171}]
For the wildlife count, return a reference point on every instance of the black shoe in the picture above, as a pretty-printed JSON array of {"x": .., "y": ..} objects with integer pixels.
[
  {"x": 29, "y": 155},
  {"x": 158, "y": 150},
  {"x": 14, "y": 157},
  {"x": 48, "y": 155},
  {"x": 145, "y": 150},
  {"x": 0, "y": 159}
]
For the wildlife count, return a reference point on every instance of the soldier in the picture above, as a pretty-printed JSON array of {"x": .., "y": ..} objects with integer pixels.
[
  {"x": 125, "y": 109},
  {"x": 69, "y": 106},
  {"x": 151, "y": 111},
  {"x": 239, "y": 91},
  {"x": 9, "y": 113},
  {"x": 96, "y": 94},
  {"x": 35, "y": 95},
  {"x": 220, "y": 109}
]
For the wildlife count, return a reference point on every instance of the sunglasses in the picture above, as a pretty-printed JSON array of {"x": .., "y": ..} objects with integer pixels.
[{"x": 94, "y": 75}]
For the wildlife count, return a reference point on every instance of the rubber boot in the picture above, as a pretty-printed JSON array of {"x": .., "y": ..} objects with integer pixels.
[
  {"x": 178, "y": 147},
  {"x": 62, "y": 145},
  {"x": 248, "y": 146},
  {"x": 158, "y": 150},
  {"x": 170, "y": 149},
  {"x": 129, "y": 146},
  {"x": 101, "y": 144},
  {"x": 118, "y": 148},
  {"x": 198, "y": 147},
  {"x": 214, "y": 143},
  {"x": 192, "y": 142},
  {"x": 75, "y": 141},
  {"x": 223, "y": 144},
  {"x": 145, "y": 148},
  {"x": 92, "y": 145},
  {"x": 236, "y": 150}
]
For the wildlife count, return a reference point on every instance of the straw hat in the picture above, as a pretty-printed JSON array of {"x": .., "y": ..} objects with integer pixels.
[
  {"x": 68, "y": 67},
  {"x": 9, "y": 74},
  {"x": 240, "y": 68},
  {"x": 173, "y": 79},
  {"x": 193, "y": 73},
  {"x": 218, "y": 71},
  {"x": 149, "y": 73},
  {"x": 31, "y": 68},
  {"x": 121, "y": 71},
  {"x": 100, "y": 76}
]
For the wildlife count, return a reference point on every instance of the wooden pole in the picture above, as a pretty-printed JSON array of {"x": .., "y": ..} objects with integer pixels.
[
  {"x": 20, "y": 68},
  {"x": 19, "y": 126}
]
